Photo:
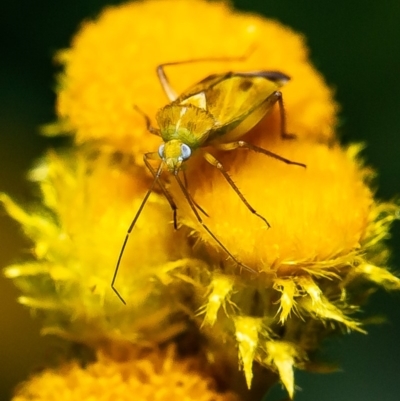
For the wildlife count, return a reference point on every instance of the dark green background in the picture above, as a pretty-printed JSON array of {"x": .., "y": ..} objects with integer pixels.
[{"x": 355, "y": 43}]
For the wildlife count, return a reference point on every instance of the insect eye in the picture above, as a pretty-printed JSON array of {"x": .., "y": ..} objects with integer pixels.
[
  {"x": 185, "y": 151},
  {"x": 161, "y": 151}
]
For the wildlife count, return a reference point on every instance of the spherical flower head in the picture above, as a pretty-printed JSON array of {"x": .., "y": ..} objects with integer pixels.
[
  {"x": 151, "y": 375},
  {"x": 320, "y": 257},
  {"x": 316, "y": 213}
]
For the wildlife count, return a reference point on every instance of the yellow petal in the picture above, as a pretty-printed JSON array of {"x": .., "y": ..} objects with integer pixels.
[{"x": 247, "y": 333}]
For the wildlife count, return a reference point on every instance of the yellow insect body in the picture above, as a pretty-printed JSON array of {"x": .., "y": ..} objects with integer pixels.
[
  {"x": 215, "y": 112},
  {"x": 218, "y": 110}
]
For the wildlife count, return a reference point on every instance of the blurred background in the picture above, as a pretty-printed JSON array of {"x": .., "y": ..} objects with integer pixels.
[{"x": 356, "y": 44}]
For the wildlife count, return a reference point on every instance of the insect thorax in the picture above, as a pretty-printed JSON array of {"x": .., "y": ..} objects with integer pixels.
[{"x": 187, "y": 123}]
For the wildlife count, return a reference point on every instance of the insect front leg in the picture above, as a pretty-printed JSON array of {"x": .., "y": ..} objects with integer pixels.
[
  {"x": 200, "y": 220},
  {"x": 155, "y": 156},
  {"x": 214, "y": 162},
  {"x": 128, "y": 233},
  {"x": 185, "y": 181},
  {"x": 246, "y": 145}
]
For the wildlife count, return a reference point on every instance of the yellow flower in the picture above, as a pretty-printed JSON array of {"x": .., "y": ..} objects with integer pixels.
[
  {"x": 306, "y": 274},
  {"x": 320, "y": 257},
  {"x": 149, "y": 375},
  {"x": 88, "y": 201},
  {"x": 316, "y": 214},
  {"x": 111, "y": 67}
]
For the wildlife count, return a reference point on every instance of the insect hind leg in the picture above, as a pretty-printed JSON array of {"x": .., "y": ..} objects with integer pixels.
[
  {"x": 276, "y": 97},
  {"x": 164, "y": 81},
  {"x": 282, "y": 116}
]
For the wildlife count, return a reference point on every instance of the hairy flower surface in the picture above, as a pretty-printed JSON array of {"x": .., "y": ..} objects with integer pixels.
[
  {"x": 153, "y": 376},
  {"x": 291, "y": 285},
  {"x": 88, "y": 202},
  {"x": 310, "y": 268},
  {"x": 316, "y": 214}
]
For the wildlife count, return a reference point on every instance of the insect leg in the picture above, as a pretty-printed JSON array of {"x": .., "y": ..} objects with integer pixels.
[
  {"x": 149, "y": 127},
  {"x": 214, "y": 162},
  {"x": 169, "y": 91},
  {"x": 280, "y": 79},
  {"x": 199, "y": 219},
  {"x": 154, "y": 155},
  {"x": 246, "y": 145},
  {"x": 282, "y": 115},
  {"x": 194, "y": 202},
  {"x": 162, "y": 76},
  {"x": 132, "y": 225}
]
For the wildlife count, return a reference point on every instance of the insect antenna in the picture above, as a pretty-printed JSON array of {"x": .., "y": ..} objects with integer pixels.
[
  {"x": 147, "y": 120},
  {"x": 132, "y": 225},
  {"x": 200, "y": 220}
]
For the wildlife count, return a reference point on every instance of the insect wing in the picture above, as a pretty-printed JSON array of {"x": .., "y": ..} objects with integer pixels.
[
  {"x": 238, "y": 103},
  {"x": 202, "y": 87}
]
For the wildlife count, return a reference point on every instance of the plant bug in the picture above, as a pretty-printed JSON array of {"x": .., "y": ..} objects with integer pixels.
[{"x": 206, "y": 115}]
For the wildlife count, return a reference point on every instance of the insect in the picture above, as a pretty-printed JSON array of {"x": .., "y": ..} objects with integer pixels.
[{"x": 215, "y": 112}]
